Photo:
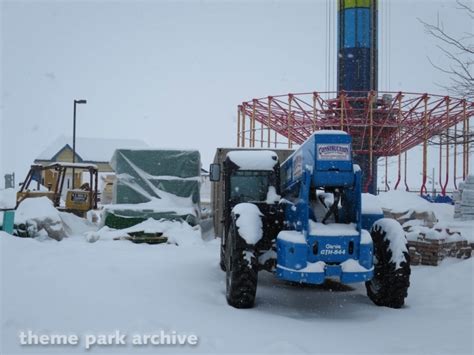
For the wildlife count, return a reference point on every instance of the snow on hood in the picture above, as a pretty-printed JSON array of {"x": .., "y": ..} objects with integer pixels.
[
  {"x": 249, "y": 222},
  {"x": 253, "y": 159},
  {"x": 332, "y": 229}
]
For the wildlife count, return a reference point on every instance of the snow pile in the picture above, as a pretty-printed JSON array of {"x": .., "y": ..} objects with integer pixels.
[
  {"x": 396, "y": 235},
  {"x": 253, "y": 159},
  {"x": 7, "y": 201},
  {"x": 406, "y": 206},
  {"x": 36, "y": 208},
  {"x": 371, "y": 204},
  {"x": 351, "y": 265},
  {"x": 7, "y": 198},
  {"x": 317, "y": 267},
  {"x": 416, "y": 232},
  {"x": 400, "y": 201},
  {"x": 332, "y": 229},
  {"x": 397, "y": 201},
  {"x": 177, "y": 232},
  {"x": 292, "y": 237},
  {"x": 465, "y": 228},
  {"x": 37, "y": 217},
  {"x": 249, "y": 222},
  {"x": 74, "y": 225}
]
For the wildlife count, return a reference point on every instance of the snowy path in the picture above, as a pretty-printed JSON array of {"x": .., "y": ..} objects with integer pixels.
[{"x": 77, "y": 287}]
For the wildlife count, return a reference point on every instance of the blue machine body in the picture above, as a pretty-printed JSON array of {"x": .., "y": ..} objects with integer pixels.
[{"x": 308, "y": 250}]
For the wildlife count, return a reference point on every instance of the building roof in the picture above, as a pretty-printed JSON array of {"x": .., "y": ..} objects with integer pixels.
[{"x": 91, "y": 149}]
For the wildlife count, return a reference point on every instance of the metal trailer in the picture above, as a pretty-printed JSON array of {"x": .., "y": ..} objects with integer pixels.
[{"x": 217, "y": 189}]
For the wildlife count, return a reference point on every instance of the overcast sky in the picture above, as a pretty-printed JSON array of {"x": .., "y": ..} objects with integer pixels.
[{"x": 173, "y": 72}]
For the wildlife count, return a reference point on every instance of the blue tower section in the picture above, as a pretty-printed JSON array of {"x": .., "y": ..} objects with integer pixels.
[
  {"x": 357, "y": 46},
  {"x": 357, "y": 64}
]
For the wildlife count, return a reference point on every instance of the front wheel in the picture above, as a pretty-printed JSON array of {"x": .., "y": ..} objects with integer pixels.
[
  {"x": 389, "y": 286},
  {"x": 222, "y": 261},
  {"x": 241, "y": 271}
]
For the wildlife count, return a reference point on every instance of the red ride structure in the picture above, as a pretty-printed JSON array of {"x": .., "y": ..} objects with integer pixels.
[{"x": 382, "y": 124}]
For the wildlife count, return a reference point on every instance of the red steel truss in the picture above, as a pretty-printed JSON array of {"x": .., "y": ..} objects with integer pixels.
[{"x": 380, "y": 123}]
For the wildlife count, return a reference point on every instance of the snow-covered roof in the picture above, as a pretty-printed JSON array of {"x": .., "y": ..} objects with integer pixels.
[
  {"x": 91, "y": 149},
  {"x": 253, "y": 159},
  {"x": 73, "y": 165}
]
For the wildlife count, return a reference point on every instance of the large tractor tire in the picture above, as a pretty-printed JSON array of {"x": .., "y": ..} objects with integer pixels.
[
  {"x": 389, "y": 286},
  {"x": 241, "y": 271},
  {"x": 222, "y": 252}
]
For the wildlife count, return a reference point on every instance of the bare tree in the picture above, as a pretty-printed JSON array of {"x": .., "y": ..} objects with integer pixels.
[{"x": 459, "y": 51}]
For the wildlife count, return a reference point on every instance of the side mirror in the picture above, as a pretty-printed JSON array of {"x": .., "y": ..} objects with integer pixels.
[{"x": 215, "y": 172}]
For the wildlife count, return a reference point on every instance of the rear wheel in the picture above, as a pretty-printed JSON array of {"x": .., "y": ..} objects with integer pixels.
[
  {"x": 241, "y": 271},
  {"x": 389, "y": 286}
]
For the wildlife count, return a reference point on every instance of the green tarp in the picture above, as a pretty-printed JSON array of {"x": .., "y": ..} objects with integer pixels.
[{"x": 154, "y": 183}]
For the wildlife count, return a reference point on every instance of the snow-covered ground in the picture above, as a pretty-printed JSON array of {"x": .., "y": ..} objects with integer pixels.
[
  {"x": 76, "y": 287},
  {"x": 89, "y": 283}
]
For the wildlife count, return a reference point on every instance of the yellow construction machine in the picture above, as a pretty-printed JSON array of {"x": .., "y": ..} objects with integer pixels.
[{"x": 78, "y": 200}]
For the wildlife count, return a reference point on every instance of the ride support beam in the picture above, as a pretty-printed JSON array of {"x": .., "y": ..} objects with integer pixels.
[
  {"x": 290, "y": 127},
  {"x": 399, "y": 136},
  {"x": 455, "y": 158},
  {"x": 269, "y": 120},
  {"x": 252, "y": 140},
  {"x": 242, "y": 136},
  {"x": 446, "y": 180},
  {"x": 315, "y": 110},
  {"x": 405, "y": 172},
  {"x": 238, "y": 127},
  {"x": 425, "y": 146}
]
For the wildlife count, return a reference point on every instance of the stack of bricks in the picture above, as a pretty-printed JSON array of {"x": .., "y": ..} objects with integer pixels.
[
  {"x": 427, "y": 251},
  {"x": 464, "y": 200},
  {"x": 415, "y": 257}
]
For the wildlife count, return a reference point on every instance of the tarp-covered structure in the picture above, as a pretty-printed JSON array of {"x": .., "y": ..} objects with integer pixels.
[{"x": 154, "y": 184}]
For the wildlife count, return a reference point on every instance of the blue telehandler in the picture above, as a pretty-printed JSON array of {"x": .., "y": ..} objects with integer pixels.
[{"x": 303, "y": 221}]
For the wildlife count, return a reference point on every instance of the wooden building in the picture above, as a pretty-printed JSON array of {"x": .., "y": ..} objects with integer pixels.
[{"x": 96, "y": 151}]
